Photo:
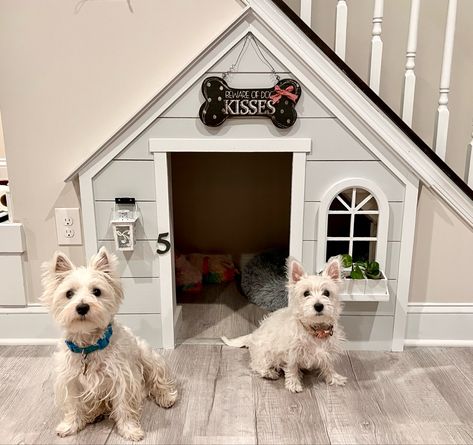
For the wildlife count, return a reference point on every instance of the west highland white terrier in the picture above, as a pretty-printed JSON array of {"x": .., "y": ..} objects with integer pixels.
[
  {"x": 102, "y": 368},
  {"x": 303, "y": 336}
]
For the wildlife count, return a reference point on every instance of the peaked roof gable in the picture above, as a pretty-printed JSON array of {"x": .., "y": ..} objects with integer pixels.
[{"x": 319, "y": 61}]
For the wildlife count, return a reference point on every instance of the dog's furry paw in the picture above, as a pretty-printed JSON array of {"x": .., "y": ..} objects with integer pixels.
[
  {"x": 336, "y": 379},
  {"x": 65, "y": 429},
  {"x": 270, "y": 374},
  {"x": 294, "y": 386},
  {"x": 131, "y": 431},
  {"x": 166, "y": 399}
]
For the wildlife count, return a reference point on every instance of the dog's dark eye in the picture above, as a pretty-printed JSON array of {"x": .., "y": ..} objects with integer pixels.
[
  {"x": 96, "y": 292},
  {"x": 326, "y": 293},
  {"x": 69, "y": 294},
  {"x": 306, "y": 293}
]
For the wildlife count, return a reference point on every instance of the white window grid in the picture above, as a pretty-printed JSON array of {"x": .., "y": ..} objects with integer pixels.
[{"x": 352, "y": 210}]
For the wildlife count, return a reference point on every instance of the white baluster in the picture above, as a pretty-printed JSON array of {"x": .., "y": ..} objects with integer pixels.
[
  {"x": 469, "y": 163},
  {"x": 409, "y": 75},
  {"x": 341, "y": 28},
  {"x": 376, "y": 46},
  {"x": 443, "y": 114},
  {"x": 306, "y": 11}
]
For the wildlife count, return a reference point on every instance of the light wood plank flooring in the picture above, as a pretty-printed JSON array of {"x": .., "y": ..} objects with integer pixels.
[
  {"x": 418, "y": 396},
  {"x": 220, "y": 309}
]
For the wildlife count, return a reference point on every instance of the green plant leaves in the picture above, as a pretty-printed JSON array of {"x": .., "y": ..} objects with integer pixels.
[
  {"x": 360, "y": 269},
  {"x": 346, "y": 260},
  {"x": 356, "y": 272},
  {"x": 372, "y": 270}
]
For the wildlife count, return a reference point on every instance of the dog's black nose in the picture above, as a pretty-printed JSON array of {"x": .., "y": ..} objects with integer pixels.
[
  {"x": 82, "y": 308},
  {"x": 319, "y": 307}
]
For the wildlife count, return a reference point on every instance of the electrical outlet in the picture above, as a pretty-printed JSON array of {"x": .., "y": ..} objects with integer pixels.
[{"x": 68, "y": 226}]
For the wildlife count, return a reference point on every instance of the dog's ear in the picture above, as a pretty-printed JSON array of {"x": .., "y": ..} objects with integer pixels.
[
  {"x": 333, "y": 268},
  {"x": 295, "y": 271},
  {"x": 54, "y": 272},
  {"x": 60, "y": 264},
  {"x": 104, "y": 262}
]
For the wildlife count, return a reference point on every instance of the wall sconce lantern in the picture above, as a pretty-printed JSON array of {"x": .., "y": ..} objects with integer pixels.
[{"x": 124, "y": 217}]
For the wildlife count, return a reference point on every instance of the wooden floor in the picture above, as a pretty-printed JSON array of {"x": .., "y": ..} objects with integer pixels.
[
  {"x": 418, "y": 396},
  {"x": 220, "y": 309}
]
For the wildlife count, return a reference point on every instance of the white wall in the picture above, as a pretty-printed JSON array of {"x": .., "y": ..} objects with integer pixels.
[
  {"x": 70, "y": 78},
  {"x": 441, "y": 268}
]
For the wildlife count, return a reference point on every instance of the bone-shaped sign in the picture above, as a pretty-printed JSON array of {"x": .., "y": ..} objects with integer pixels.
[{"x": 221, "y": 102}]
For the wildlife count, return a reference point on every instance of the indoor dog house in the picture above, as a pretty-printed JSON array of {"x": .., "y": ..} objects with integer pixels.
[{"x": 351, "y": 187}]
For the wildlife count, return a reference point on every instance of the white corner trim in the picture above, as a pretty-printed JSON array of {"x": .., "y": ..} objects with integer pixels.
[
  {"x": 3, "y": 169},
  {"x": 167, "y": 288},
  {"x": 439, "y": 324},
  {"x": 212, "y": 144},
  {"x": 296, "y": 232}
]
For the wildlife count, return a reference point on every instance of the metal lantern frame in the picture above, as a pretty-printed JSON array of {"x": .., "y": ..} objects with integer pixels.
[{"x": 124, "y": 216}]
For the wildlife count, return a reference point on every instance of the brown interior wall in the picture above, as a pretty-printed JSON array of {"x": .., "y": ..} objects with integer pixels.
[{"x": 231, "y": 202}]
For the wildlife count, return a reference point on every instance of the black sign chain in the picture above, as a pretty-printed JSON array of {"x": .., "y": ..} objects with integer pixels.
[
  {"x": 222, "y": 102},
  {"x": 250, "y": 39}
]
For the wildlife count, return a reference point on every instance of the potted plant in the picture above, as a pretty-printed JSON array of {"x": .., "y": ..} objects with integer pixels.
[{"x": 363, "y": 277}]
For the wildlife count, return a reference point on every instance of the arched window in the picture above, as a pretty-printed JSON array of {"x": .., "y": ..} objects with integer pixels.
[
  {"x": 353, "y": 219},
  {"x": 352, "y": 225}
]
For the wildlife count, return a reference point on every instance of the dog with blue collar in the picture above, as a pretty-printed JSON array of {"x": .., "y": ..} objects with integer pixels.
[{"x": 102, "y": 367}]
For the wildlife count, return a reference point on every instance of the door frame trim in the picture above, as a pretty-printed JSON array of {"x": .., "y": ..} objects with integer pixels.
[{"x": 161, "y": 149}]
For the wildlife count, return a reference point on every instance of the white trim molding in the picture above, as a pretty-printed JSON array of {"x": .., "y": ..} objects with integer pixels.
[
  {"x": 169, "y": 145},
  {"x": 439, "y": 324},
  {"x": 3, "y": 169},
  {"x": 162, "y": 168},
  {"x": 161, "y": 149}
]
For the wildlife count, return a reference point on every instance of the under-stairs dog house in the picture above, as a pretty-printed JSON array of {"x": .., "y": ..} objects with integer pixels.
[{"x": 351, "y": 156}]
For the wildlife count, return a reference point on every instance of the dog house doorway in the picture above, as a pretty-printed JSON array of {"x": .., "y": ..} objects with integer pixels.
[
  {"x": 226, "y": 208},
  {"x": 231, "y": 197}
]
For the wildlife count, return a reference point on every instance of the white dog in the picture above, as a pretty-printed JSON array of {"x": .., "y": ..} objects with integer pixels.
[
  {"x": 102, "y": 368},
  {"x": 304, "y": 335}
]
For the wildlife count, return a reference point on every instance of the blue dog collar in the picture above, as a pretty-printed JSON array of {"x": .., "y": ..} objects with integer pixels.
[{"x": 101, "y": 344}]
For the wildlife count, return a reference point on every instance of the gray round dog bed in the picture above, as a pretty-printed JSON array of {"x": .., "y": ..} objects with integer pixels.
[{"x": 263, "y": 280}]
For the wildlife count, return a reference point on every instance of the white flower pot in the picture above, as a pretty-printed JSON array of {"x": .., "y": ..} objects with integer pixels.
[{"x": 365, "y": 289}]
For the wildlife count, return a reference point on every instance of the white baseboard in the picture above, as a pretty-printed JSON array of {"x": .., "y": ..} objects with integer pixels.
[
  {"x": 33, "y": 325},
  {"x": 428, "y": 324},
  {"x": 439, "y": 324}
]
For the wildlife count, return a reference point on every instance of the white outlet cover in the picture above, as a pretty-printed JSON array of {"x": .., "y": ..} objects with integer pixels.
[{"x": 68, "y": 227}]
